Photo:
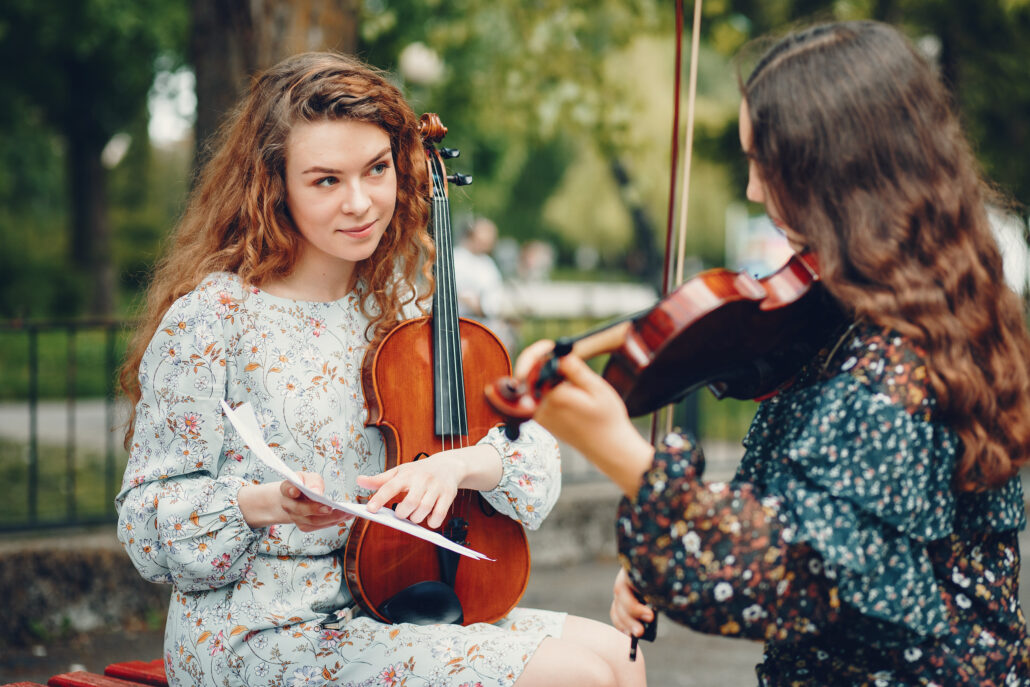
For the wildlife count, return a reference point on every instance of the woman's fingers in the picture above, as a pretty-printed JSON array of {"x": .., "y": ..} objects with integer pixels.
[
  {"x": 386, "y": 486},
  {"x": 628, "y": 613},
  {"x": 306, "y": 514},
  {"x": 426, "y": 491},
  {"x": 529, "y": 357}
]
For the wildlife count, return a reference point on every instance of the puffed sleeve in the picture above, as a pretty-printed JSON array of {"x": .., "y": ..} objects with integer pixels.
[
  {"x": 179, "y": 520},
  {"x": 717, "y": 558},
  {"x": 530, "y": 474}
]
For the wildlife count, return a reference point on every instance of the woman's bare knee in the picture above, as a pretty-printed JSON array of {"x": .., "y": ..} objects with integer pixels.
[{"x": 558, "y": 663}]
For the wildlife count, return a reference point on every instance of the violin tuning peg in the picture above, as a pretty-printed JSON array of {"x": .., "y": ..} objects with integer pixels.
[
  {"x": 449, "y": 153},
  {"x": 460, "y": 179}
]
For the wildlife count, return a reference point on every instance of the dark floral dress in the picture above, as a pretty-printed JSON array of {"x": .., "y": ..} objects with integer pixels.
[{"x": 840, "y": 542}]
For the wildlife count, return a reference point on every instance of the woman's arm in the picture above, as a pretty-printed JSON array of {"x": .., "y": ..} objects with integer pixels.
[
  {"x": 179, "y": 514},
  {"x": 717, "y": 557}
]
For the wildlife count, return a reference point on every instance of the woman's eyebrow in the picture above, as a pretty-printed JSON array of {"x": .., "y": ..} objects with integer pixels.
[{"x": 329, "y": 170}]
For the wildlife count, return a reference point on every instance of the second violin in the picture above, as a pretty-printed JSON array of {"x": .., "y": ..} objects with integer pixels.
[{"x": 742, "y": 337}]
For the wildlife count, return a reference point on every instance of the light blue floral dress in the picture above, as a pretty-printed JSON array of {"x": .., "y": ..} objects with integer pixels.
[{"x": 247, "y": 604}]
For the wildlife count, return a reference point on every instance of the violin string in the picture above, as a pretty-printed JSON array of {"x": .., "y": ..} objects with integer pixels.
[
  {"x": 456, "y": 413},
  {"x": 446, "y": 318},
  {"x": 439, "y": 353}
]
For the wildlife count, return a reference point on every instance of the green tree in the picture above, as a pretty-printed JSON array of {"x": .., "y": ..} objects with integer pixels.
[
  {"x": 81, "y": 72},
  {"x": 230, "y": 41},
  {"x": 526, "y": 89}
]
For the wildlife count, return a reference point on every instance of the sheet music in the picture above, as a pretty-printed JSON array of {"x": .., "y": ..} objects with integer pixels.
[{"x": 245, "y": 422}]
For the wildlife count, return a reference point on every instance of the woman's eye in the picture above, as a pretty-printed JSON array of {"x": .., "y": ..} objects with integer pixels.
[
  {"x": 379, "y": 169},
  {"x": 327, "y": 181}
]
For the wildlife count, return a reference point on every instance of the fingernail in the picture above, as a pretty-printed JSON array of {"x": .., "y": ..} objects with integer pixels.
[{"x": 324, "y": 509}]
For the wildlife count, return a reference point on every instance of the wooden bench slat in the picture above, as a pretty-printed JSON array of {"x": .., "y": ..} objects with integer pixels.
[
  {"x": 81, "y": 678},
  {"x": 149, "y": 672}
]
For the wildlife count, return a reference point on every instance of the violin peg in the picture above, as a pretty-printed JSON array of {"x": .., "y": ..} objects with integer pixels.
[
  {"x": 449, "y": 153},
  {"x": 460, "y": 179}
]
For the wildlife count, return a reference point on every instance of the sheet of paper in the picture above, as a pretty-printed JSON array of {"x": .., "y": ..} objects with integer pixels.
[{"x": 246, "y": 424}]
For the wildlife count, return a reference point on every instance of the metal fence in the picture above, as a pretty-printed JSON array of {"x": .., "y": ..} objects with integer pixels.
[
  {"x": 61, "y": 459},
  {"x": 40, "y": 450}
]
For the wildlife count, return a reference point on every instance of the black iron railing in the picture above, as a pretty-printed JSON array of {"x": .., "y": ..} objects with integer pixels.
[
  {"x": 51, "y": 477},
  {"x": 37, "y": 375}
]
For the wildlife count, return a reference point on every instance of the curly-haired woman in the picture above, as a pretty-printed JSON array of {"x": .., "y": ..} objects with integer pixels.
[{"x": 304, "y": 241}]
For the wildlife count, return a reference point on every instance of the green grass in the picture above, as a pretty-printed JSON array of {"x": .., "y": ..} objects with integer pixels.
[
  {"x": 80, "y": 360},
  {"x": 90, "y": 488}
]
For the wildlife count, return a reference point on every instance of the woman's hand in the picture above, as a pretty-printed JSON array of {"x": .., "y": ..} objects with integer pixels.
[
  {"x": 430, "y": 484},
  {"x": 306, "y": 514},
  {"x": 278, "y": 503},
  {"x": 628, "y": 613},
  {"x": 587, "y": 413}
]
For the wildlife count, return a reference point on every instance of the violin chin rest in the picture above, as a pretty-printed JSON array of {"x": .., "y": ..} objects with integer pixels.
[{"x": 429, "y": 602}]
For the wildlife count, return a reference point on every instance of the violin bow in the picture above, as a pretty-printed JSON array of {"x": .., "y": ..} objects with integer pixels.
[
  {"x": 673, "y": 272},
  {"x": 674, "y": 277}
]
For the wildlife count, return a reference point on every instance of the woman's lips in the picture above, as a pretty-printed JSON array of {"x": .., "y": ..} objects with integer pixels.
[{"x": 359, "y": 232}]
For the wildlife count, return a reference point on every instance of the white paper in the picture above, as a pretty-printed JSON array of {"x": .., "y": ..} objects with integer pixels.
[{"x": 246, "y": 424}]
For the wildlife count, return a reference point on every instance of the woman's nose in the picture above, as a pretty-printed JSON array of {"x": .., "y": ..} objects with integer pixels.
[{"x": 356, "y": 199}]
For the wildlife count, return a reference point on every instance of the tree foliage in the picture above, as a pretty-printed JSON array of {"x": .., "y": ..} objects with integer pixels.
[
  {"x": 562, "y": 110},
  {"x": 80, "y": 72}
]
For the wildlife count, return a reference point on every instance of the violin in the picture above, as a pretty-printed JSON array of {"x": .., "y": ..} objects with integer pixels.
[
  {"x": 414, "y": 384},
  {"x": 741, "y": 336}
]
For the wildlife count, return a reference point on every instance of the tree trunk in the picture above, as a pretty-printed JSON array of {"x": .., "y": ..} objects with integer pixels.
[
  {"x": 234, "y": 39},
  {"x": 90, "y": 224}
]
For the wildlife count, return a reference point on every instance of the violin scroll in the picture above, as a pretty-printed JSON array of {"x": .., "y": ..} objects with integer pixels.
[{"x": 517, "y": 400}]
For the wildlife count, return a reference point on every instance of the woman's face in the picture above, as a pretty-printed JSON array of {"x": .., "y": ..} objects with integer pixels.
[
  {"x": 341, "y": 189},
  {"x": 756, "y": 191}
]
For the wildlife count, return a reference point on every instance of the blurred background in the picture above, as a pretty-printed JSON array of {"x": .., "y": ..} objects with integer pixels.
[{"x": 562, "y": 111}]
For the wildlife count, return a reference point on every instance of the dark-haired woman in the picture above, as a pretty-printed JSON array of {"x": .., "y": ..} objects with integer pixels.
[{"x": 869, "y": 536}]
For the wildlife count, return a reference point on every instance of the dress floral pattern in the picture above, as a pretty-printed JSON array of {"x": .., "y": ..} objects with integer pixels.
[
  {"x": 248, "y": 605},
  {"x": 840, "y": 542}
]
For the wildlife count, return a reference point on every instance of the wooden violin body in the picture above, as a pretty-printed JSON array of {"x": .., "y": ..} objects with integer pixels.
[
  {"x": 414, "y": 383},
  {"x": 742, "y": 337},
  {"x": 378, "y": 561}
]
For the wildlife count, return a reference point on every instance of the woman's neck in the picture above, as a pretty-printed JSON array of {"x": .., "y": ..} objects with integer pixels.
[{"x": 314, "y": 280}]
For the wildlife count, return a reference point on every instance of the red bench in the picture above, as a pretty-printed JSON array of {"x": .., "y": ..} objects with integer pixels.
[{"x": 127, "y": 674}]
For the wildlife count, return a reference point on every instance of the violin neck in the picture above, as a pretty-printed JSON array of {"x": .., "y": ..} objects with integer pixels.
[{"x": 448, "y": 378}]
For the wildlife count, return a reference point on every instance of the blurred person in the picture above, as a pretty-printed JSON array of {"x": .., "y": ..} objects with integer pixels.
[
  {"x": 479, "y": 284},
  {"x": 870, "y": 535},
  {"x": 304, "y": 243},
  {"x": 536, "y": 260}
]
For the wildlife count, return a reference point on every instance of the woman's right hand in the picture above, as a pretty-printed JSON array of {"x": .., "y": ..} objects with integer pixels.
[
  {"x": 628, "y": 613},
  {"x": 276, "y": 503},
  {"x": 306, "y": 514},
  {"x": 587, "y": 413}
]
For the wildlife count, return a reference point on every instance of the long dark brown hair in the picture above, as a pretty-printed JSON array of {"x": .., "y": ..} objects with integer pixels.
[
  {"x": 237, "y": 219},
  {"x": 862, "y": 155}
]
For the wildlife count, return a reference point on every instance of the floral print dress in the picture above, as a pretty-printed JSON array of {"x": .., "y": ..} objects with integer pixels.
[
  {"x": 248, "y": 605},
  {"x": 840, "y": 542}
]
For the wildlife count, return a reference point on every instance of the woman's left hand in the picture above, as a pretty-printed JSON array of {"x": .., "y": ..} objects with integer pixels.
[
  {"x": 628, "y": 612},
  {"x": 430, "y": 484}
]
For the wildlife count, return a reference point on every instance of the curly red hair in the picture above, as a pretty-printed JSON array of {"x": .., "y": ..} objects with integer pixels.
[
  {"x": 859, "y": 149},
  {"x": 237, "y": 219}
]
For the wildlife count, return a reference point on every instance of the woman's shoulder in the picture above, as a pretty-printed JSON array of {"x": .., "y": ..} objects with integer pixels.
[
  {"x": 888, "y": 365},
  {"x": 214, "y": 288},
  {"x": 215, "y": 297}
]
